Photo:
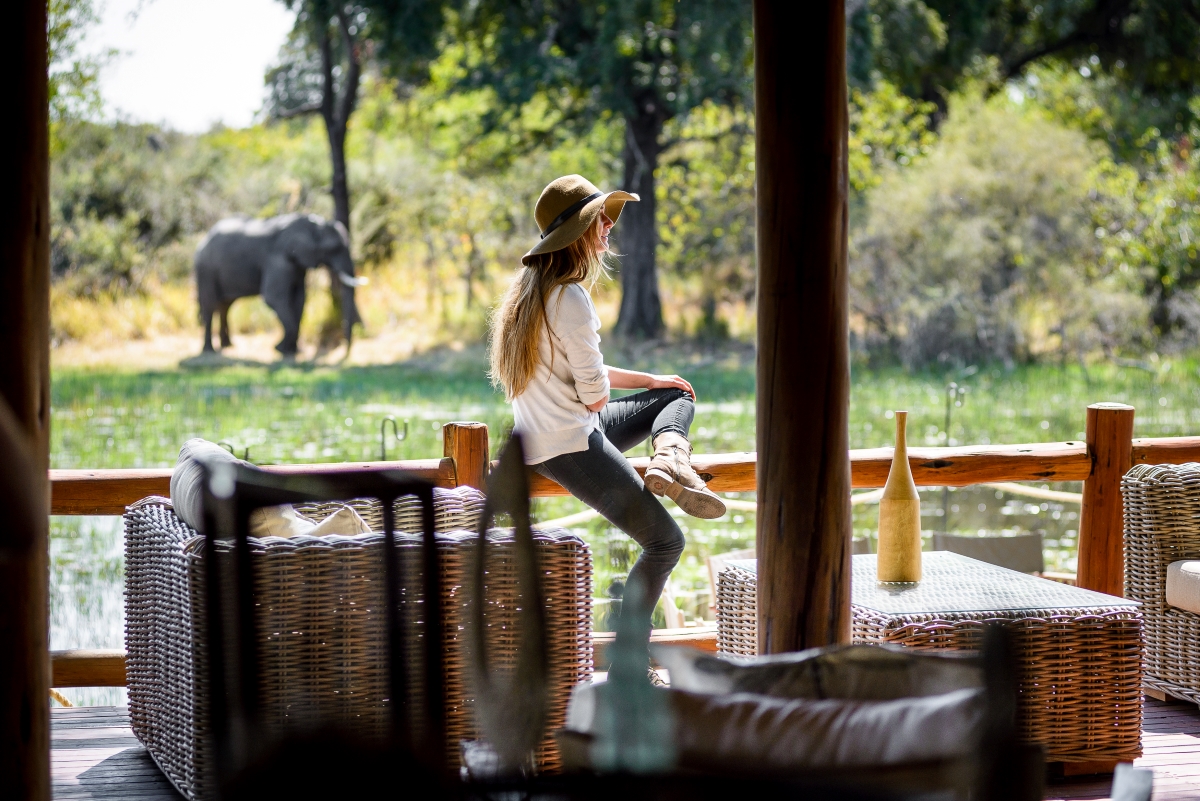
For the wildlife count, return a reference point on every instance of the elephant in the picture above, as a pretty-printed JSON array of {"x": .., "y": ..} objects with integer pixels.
[{"x": 241, "y": 257}]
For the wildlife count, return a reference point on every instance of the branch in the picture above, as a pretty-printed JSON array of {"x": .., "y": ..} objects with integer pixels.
[
  {"x": 1092, "y": 28},
  {"x": 1011, "y": 69},
  {"x": 299, "y": 111},
  {"x": 737, "y": 129}
]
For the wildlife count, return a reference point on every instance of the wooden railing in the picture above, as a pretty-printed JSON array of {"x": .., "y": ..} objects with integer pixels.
[{"x": 1099, "y": 462}]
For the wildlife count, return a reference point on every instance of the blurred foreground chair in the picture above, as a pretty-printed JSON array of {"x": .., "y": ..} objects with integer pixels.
[
  {"x": 870, "y": 721},
  {"x": 321, "y": 650},
  {"x": 1162, "y": 570}
]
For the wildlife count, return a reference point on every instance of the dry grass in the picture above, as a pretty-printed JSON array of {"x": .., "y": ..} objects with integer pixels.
[{"x": 409, "y": 306}]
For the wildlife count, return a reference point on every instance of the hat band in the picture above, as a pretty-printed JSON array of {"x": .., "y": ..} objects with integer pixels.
[{"x": 574, "y": 207}]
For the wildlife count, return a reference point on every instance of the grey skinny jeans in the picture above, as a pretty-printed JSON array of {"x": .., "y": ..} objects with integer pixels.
[{"x": 603, "y": 479}]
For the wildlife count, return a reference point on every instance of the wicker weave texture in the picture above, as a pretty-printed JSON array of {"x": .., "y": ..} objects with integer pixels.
[
  {"x": 1080, "y": 673},
  {"x": 737, "y": 612},
  {"x": 1162, "y": 525},
  {"x": 322, "y": 645}
]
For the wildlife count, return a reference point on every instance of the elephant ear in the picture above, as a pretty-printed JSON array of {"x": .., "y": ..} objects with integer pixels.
[{"x": 299, "y": 240}]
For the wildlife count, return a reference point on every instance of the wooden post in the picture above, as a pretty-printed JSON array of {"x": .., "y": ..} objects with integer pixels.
[
  {"x": 25, "y": 409},
  {"x": 467, "y": 445},
  {"x": 804, "y": 522},
  {"x": 1101, "y": 524}
]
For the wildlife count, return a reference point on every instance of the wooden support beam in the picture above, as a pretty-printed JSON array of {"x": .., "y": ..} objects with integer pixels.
[
  {"x": 1110, "y": 446},
  {"x": 931, "y": 467},
  {"x": 803, "y": 392},
  {"x": 964, "y": 466},
  {"x": 25, "y": 407},
  {"x": 108, "y": 492},
  {"x": 705, "y": 639},
  {"x": 87, "y": 668},
  {"x": 467, "y": 445},
  {"x": 1166, "y": 450}
]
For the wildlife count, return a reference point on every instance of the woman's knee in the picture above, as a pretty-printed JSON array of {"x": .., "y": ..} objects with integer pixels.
[
  {"x": 664, "y": 542},
  {"x": 672, "y": 394}
]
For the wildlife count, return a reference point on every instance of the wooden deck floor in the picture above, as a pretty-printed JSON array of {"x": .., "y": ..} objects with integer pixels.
[
  {"x": 95, "y": 755},
  {"x": 1170, "y": 747}
]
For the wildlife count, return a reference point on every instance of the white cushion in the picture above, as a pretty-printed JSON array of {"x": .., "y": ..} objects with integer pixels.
[
  {"x": 345, "y": 522},
  {"x": 279, "y": 521},
  {"x": 1183, "y": 585},
  {"x": 282, "y": 521}
]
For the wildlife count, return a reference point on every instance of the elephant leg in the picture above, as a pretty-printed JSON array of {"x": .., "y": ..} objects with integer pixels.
[
  {"x": 223, "y": 316},
  {"x": 207, "y": 315},
  {"x": 279, "y": 293},
  {"x": 298, "y": 297}
]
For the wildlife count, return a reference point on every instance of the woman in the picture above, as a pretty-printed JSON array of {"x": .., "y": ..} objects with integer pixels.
[{"x": 545, "y": 354}]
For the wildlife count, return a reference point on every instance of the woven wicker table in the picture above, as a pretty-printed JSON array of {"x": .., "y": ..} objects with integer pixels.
[{"x": 1080, "y": 652}]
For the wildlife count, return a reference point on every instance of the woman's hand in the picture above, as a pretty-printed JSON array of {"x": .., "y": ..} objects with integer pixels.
[{"x": 671, "y": 382}]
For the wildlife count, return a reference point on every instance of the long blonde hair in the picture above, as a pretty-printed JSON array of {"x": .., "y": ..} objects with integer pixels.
[{"x": 518, "y": 321}]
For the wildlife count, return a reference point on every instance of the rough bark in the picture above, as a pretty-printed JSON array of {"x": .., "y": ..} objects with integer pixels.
[
  {"x": 336, "y": 110},
  {"x": 25, "y": 410},
  {"x": 803, "y": 393},
  {"x": 641, "y": 306}
]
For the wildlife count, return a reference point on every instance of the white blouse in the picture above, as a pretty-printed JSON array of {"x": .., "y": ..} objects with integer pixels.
[{"x": 551, "y": 414}]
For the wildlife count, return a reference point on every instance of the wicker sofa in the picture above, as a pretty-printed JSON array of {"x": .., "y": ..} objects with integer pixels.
[
  {"x": 322, "y": 648},
  {"x": 1162, "y": 526}
]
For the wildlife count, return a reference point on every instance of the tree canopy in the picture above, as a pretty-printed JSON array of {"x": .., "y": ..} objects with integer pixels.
[
  {"x": 321, "y": 64},
  {"x": 928, "y": 49},
  {"x": 642, "y": 61}
]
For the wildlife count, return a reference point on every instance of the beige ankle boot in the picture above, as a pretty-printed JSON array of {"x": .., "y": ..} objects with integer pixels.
[{"x": 671, "y": 474}]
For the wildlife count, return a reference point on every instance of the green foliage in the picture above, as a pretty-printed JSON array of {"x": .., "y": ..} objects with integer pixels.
[
  {"x": 928, "y": 49},
  {"x": 1147, "y": 226},
  {"x": 73, "y": 85},
  {"x": 627, "y": 57},
  {"x": 398, "y": 38},
  {"x": 1129, "y": 120},
  {"x": 985, "y": 250},
  {"x": 130, "y": 201},
  {"x": 888, "y": 130},
  {"x": 706, "y": 191}
]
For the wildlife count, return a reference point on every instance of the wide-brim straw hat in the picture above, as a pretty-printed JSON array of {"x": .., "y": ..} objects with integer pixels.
[{"x": 568, "y": 207}]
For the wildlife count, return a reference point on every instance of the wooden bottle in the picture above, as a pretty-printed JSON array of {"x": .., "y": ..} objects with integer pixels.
[{"x": 899, "y": 558}]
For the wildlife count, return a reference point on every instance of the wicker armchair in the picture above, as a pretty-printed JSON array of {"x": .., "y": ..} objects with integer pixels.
[
  {"x": 322, "y": 648},
  {"x": 1162, "y": 525}
]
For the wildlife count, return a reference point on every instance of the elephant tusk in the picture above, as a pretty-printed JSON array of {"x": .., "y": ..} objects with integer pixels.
[{"x": 350, "y": 280}]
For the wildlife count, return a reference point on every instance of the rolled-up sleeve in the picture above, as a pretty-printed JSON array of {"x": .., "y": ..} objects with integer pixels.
[{"x": 582, "y": 349}]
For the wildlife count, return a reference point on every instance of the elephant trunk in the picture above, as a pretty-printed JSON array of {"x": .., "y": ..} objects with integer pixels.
[{"x": 342, "y": 270}]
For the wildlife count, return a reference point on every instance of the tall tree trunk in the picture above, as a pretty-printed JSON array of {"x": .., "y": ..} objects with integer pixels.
[
  {"x": 25, "y": 409},
  {"x": 641, "y": 307},
  {"x": 336, "y": 111},
  {"x": 338, "y": 187}
]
